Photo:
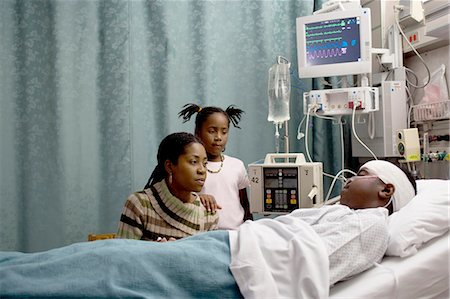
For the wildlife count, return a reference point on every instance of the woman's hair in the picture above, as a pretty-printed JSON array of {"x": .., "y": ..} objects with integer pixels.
[
  {"x": 232, "y": 113},
  {"x": 170, "y": 148}
]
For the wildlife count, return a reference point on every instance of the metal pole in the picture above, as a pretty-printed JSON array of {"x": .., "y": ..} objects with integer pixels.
[{"x": 286, "y": 137}]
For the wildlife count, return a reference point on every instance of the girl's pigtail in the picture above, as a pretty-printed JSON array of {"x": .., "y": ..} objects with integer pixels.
[
  {"x": 189, "y": 110},
  {"x": 234, "y": 114}
]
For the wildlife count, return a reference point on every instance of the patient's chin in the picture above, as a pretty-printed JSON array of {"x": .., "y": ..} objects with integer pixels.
[{"x": 344, "y": 200}]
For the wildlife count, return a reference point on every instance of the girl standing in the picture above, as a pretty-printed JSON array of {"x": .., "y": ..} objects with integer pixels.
[
  {"x": 227, "y": 177},
  {"x": 168, "y": 208}
]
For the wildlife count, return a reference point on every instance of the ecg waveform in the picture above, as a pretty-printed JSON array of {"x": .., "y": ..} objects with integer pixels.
[
  {"x": 326, "y": 53},
  {"x": 326, "y": 50}
]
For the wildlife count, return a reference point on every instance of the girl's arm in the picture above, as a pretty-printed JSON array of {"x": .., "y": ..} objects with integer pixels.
[{"x": 245, "y": 204}]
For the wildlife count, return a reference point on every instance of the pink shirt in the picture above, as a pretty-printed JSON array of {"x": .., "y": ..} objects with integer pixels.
[{"x": 225, "y": 186}]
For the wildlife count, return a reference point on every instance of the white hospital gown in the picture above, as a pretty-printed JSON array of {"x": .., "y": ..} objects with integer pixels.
[
  {"x": 354, "y": 239},
  {"x": 302, "y": 254}
]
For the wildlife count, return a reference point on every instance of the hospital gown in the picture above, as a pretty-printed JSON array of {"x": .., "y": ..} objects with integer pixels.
[
  {"x": 354, "y": 239},
  {"x": 301, "y": 254}
]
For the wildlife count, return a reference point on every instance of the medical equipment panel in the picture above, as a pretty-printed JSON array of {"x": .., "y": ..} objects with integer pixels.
[
  {"x": 379, "y": 131},
  {"x": 408, "y": 144},
  {"x": 341, "y": 101},
  {"x": 281, "y": 187}
]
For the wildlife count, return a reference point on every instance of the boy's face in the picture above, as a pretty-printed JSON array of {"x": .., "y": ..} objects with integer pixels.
[
  {"x": 214, "y": 135},
  {"x": 363, "y": 191}
]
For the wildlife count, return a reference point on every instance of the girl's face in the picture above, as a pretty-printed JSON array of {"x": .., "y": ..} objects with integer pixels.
[
  {"x": 214, "y": 135},
  {"x": 362, "y": 191},
  {"x": 189, "y": 174}
]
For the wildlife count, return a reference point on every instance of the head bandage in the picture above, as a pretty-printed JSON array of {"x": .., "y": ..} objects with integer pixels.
[{"x": 389, "y": 173}]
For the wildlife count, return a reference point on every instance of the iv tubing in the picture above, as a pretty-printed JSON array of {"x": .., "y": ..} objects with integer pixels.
[
  {"x": 341, "y": 126},
  {"x": 357, "y": 137},
  {"x": 371, "y": 126},
  {"x": 306, "y": 133},
  {"x": 336, "y": 177},
  {"x": 277, "y": 139},
  {"x": 286, "y": 137}
]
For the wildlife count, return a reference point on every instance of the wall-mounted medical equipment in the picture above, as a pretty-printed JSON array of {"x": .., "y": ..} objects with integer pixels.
[
  {"x": 408, "y": 144},
  {"x": 411, "y": 14},
  {"x": 284, "y": 182},
  {"x": 341, "y": 101},
  {"x": 337, "y": 43},
  {"x": 334, "y": 43},
  {"x": 378, "y": 130}
]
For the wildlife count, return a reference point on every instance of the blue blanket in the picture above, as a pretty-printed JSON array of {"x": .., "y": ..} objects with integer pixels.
[{"x": 194, "y": 267}]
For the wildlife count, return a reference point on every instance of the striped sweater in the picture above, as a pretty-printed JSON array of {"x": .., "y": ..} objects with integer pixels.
[{"x": 155, "y": 212}]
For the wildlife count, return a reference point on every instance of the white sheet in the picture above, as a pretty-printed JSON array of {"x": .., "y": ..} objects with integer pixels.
[
  {"x": 423, "y": 275},
  {"x": 279, "y": 259}
]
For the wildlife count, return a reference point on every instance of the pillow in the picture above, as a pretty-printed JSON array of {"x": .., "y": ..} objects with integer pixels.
[{"x": 425, "y": 217}]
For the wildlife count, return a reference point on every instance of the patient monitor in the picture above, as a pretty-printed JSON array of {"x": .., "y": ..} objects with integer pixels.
[
  {"x": 335, "y": 43},
  {"x": 284, "y": 182}
]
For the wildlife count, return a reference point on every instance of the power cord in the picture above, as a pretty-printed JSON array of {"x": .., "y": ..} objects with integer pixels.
[{"x": 397, "y": 10}]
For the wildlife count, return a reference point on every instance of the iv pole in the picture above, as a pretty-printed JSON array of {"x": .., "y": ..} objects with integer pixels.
[{"x": 285, "y": 137}]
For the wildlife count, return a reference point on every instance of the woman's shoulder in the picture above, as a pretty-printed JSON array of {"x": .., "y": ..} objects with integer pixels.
[
  {"x": 139, "y": 199},
  {"x": 139, "y": 195}
]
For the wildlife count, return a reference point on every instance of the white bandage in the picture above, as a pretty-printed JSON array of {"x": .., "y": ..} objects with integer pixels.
[{"x": 390, "y": 173}]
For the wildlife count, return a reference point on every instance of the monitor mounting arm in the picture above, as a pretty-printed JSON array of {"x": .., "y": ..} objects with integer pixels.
[{"x": 332, "y": 5}]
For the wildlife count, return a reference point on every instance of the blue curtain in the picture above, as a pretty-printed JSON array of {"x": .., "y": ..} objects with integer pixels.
[{"x": 89, "y": 88}]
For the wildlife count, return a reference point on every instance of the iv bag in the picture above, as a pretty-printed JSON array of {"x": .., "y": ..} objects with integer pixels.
[{"x": 279, "y": 91}]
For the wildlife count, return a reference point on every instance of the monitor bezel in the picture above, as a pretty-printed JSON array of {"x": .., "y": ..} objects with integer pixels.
[{"x": 364, "y": 66}]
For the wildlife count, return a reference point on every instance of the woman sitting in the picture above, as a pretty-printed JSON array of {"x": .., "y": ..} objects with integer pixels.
[{"x": 168, "y": 208}]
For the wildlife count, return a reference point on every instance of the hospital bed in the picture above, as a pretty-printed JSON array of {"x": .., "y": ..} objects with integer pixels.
[
  {"x": 416, "y": 264},
  {"x": 422, "y": 275},
  {"x": 418, "y": 256}
]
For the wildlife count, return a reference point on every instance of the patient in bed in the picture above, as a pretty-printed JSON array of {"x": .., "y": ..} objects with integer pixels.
[
  {"x": 293, "y": 256},
  {"x": 337, "y": 242}
]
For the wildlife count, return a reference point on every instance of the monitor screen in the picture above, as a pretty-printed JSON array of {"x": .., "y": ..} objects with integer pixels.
[{"x": 334, "y": 44}]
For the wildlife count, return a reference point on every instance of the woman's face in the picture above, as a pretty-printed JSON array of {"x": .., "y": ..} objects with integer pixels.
[
  {"x": 214, "y": 135},
  {"x": 362, "y": 191},
  {"x": 189, "y": 174}
]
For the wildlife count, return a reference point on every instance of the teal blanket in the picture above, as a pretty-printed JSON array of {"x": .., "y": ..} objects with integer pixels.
[{"x": 194, "y": 267}]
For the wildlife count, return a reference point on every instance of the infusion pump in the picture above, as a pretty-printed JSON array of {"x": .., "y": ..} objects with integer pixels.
[{"x": 283, "y": 183}]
